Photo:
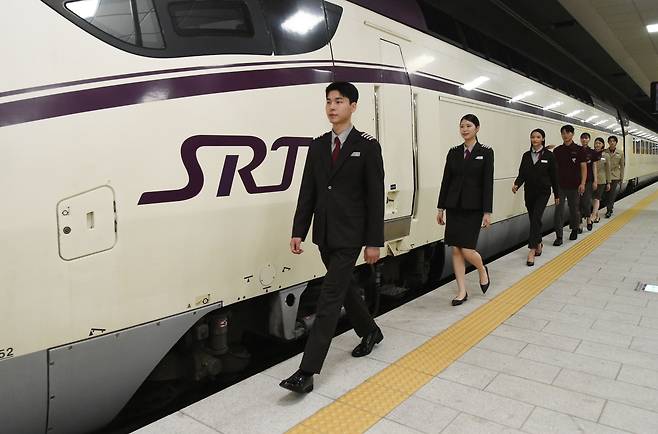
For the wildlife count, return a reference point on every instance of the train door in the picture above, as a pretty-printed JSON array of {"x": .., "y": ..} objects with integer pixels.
[{"x": 394, "y": 130}]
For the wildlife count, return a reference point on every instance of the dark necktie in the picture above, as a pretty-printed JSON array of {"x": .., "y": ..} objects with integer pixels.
[
  {"x": 336, "y": 151},
  {"x": 467, "y": 154}
]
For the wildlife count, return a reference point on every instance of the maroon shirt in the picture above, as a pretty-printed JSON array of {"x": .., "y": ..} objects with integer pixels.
[
  {"x": 568, "y": 159},
  {"x": 591, "y": 156}
]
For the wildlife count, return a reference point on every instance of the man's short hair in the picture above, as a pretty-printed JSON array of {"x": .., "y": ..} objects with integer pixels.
[
  {"x": 347, "y": 90},
  {"x": 616, "y": 140},
  {"x": 585, "y": 135},
  {"x": 567, "y": 128}
]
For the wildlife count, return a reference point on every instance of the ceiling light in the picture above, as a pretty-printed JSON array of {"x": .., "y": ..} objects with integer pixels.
[
  {"x": 652, "y": 28},
  {"x": 521, "y": 96},
  {"x": 574, "y": 113},
  {"x": 301, "y": 22},
  {"x": 475, "y": 83},
  {"x": 600, "y": 122},
  {"x": 591, "y": 118},
  {"x": 554, "y": 105}
]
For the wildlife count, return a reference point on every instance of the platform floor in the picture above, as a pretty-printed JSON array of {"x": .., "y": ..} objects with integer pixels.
[{"x": 566, "y": 346}]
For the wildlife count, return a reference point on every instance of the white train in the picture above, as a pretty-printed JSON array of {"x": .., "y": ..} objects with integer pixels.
[{"x": 152, "y": 154}]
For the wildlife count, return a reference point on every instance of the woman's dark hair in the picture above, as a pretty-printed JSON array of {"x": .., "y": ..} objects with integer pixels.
[
  {"x": 471, "y": 118},
  {"x": 600, "y": 139},
  {"x": 542, "y": 133}
]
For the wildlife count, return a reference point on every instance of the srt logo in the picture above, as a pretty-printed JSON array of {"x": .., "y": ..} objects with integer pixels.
[{"x": 195, "y": 174}]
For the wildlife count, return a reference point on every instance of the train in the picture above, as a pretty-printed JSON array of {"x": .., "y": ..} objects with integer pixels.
[{"x": 152, "y": 156}]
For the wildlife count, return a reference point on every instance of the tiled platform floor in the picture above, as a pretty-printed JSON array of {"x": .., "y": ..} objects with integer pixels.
[{"x": 581, "y": 357}]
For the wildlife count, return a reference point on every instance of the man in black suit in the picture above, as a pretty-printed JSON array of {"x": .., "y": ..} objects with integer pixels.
[{"x": 343, "y": 192}]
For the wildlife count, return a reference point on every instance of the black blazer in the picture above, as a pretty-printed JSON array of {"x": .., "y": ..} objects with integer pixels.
[
  {"x": 468, "y": 184},
  {"x": 346, "y": 199},
  {"x": 538, "y": 177}
]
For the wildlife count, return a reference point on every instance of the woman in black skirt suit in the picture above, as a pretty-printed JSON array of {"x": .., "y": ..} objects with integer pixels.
[
  {"x": 538, "y": 170},
  {"x": 466, "y": 201}
]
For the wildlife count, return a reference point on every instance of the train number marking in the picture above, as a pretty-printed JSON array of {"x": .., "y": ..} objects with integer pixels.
[{"x": 6, "y": 353}]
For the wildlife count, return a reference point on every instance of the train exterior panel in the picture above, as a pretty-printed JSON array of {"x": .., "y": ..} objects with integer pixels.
[{"x": 145, "y": 192}]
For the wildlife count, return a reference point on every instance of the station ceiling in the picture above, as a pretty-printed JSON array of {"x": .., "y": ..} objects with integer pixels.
[{"x": 600, "y": 45}]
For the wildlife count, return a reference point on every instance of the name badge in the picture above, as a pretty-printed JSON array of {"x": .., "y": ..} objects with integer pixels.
[
  {"x": 479, "y": 157},
  {"x": 544, "y": 161},
  {"x": 355, "y": 154}
]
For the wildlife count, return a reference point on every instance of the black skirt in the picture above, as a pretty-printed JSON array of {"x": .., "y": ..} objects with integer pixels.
[{"x": 463, "y": 227}]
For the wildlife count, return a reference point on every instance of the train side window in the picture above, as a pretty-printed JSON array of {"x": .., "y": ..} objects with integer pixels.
[
  {"x": 201, "y": 27},
  {"x": 301, "y": 26},
  {"x": 134, "y": 22},
  {"x": 207, "y": 18}
]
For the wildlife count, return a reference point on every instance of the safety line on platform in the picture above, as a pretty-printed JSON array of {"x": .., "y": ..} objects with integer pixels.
[{"x": 365, "y": 405}]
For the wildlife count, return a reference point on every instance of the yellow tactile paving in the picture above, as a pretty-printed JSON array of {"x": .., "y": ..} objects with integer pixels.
[{"x": 366, "y": 404}]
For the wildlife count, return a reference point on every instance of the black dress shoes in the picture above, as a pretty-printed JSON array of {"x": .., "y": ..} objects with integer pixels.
[
  {"x": 574, "y": 235},
  {"x": 457, "y": 302},
  {"x": 590, "y": 225},
  {"x": 607, "y": 215},
  {"x": 557, "y": 242},
  {"x": 580, "y": 230},
  {"x": 368, "y": 343},
  {"x": 486, "y": 285},
  {"x": 298, "y": 382}
]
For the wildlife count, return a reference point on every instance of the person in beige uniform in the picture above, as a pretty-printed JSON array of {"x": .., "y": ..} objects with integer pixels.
[
  {"x": 616, "y": 161},
  {"x": 602, "y": 176}
]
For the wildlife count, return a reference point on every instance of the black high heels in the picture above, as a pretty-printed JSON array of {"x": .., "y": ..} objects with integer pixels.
[
  {"x": 486, "y": 285},
  {"x": 457, "y": 302}
]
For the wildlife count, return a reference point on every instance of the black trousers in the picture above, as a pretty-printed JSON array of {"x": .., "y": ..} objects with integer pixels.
[
  {"x": 535, "y": 203},
  {"x": 612, "y": 195},
  {"x": 338, "y": 289},
  {"x": 571, "y": 196},
  {"x": 586, "y": 201}
]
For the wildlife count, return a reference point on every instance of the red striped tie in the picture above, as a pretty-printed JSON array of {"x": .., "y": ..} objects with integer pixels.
[{"x": 336, "y": 151}]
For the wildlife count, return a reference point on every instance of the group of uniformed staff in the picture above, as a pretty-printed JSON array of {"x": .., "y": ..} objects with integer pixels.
[
  {"x": 578, "y": 175},
  {"x": 342, "y": 192}
]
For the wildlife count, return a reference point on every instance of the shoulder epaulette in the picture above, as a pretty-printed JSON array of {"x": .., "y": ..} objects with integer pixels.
[
  {"x": 367, "y": 136},
  {"x": 486, "y": 146},
  {"x": 454, "y": 148},
  {"x": 322, "y": 135}
]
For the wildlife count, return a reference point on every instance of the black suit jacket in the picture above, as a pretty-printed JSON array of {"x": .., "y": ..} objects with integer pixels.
[
  {"x": 344, "y": 199},
  {"x": 538, "y": 177},
  {"x": 468, "y": 184}
]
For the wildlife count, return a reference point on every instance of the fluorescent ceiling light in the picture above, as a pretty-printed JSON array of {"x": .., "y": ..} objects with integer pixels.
[
  {"x": 554, "y": 105},
  {"x": 301, "y": 22},
  {"x": 475, "y": 83},
  {"x": 600, "y": 122},
  {"x": 521, "y": 96},
  {"x": 652, "y": 28},
  {"x": 574, "y": 113},
  {"x": 591, "y": 118}
]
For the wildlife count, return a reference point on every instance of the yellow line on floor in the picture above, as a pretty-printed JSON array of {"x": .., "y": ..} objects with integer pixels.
[{"x": 362, "y": 407}]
